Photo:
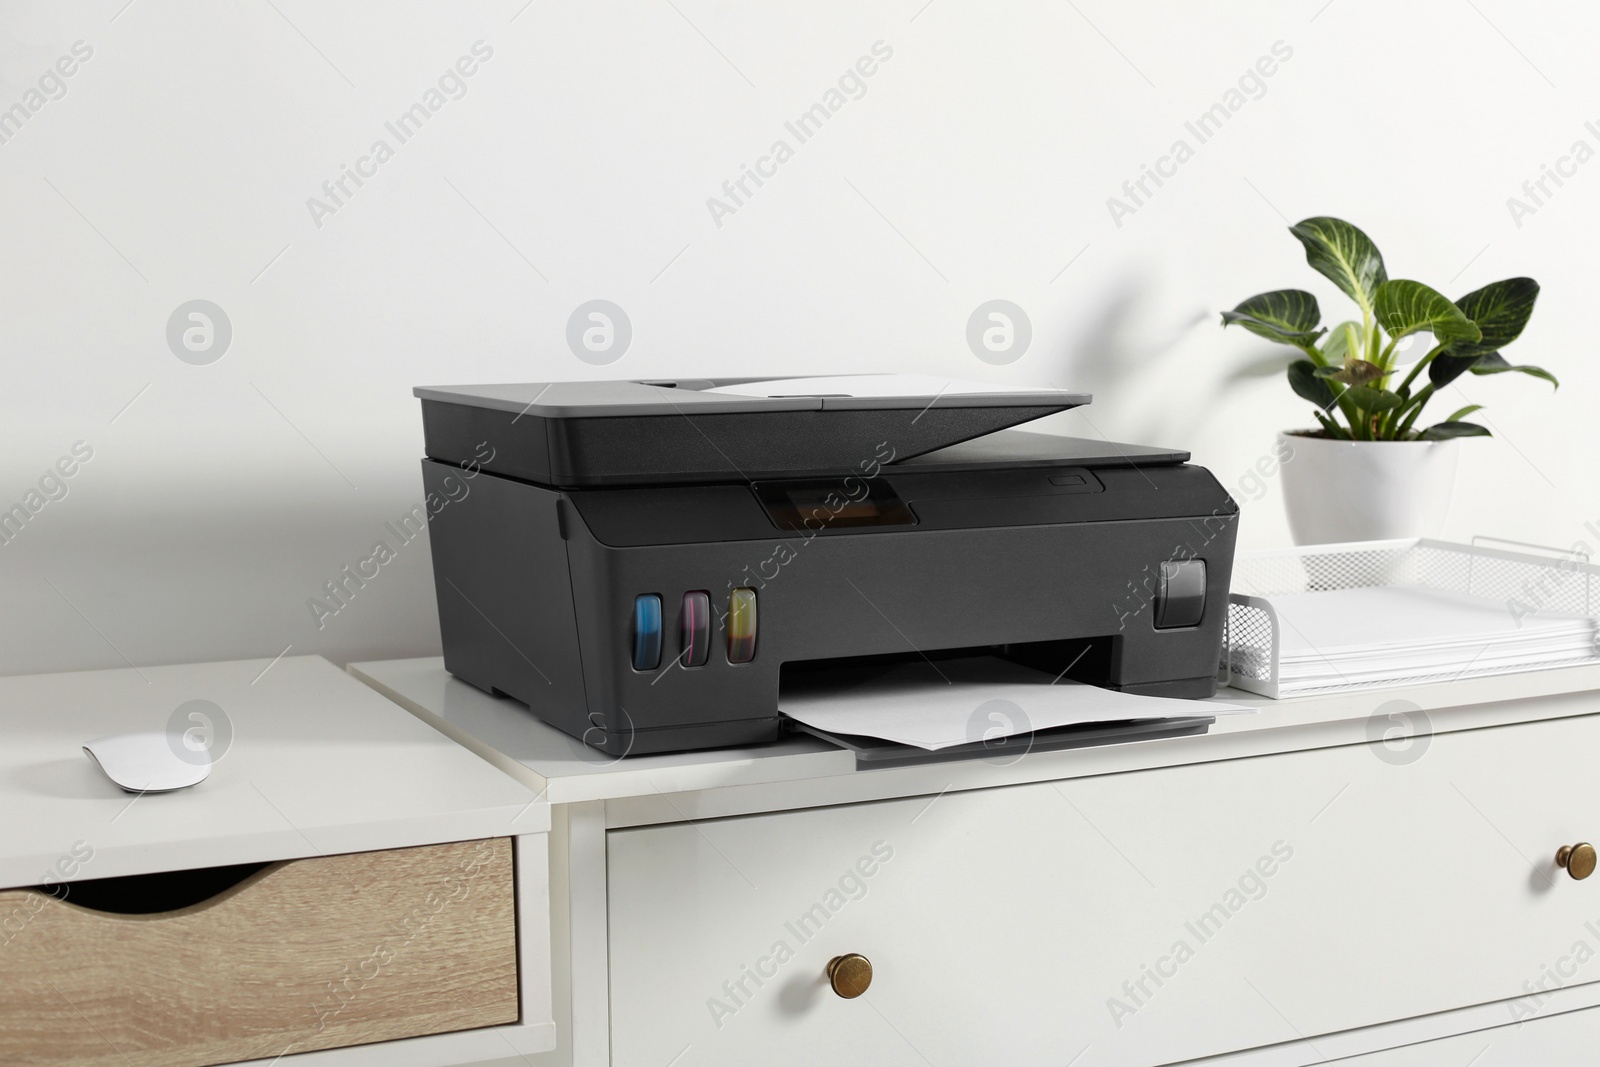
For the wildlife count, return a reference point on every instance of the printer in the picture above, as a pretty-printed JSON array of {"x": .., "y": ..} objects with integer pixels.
[{"x": 648, "y": 564}]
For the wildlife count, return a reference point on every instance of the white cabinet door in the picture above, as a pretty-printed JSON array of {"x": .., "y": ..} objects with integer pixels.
[{"x": 1130, "y": 919}]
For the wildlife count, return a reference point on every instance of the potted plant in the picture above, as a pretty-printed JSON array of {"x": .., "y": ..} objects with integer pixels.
[{"x": 1371, "y": 470}]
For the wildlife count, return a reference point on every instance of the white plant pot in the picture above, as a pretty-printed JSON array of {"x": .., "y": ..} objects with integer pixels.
[{"x": 1366, "y": 490}]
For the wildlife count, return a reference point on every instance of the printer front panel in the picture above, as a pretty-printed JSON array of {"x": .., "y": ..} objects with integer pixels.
[
  {"x": 911, "y": 590},
  {"x": 524, "y": 582}
]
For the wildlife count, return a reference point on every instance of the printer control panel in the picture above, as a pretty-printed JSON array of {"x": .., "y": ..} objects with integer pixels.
[{"x": 833, "y": 503}]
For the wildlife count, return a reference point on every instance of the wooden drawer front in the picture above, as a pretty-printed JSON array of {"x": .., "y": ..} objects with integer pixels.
[
  {"x": 1130, "y": 919},
  {"x": 307, "y": 954}
]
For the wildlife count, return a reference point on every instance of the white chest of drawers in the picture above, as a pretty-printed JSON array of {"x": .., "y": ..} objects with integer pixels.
[{"x": 1282, "y": 891}]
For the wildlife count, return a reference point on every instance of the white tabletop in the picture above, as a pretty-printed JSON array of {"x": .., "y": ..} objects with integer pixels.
[
  {"x": 317, "y": 764},
  {"x": 506, "y": 733}
]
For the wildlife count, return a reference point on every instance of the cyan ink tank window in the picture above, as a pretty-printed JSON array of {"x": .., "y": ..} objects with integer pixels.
[{"x": 646, "y": 632}]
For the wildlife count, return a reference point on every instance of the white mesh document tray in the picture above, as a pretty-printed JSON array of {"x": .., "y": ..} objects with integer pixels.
[{"x": 1536, "y": 592}]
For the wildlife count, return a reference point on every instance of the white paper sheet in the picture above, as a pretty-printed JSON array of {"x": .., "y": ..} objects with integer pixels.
[
  {"x": 967, "y": 701},
  {"x": 1390, "y": 635},
  {"x": 875, "y": 385},
  {"x": 1403, "y": 617}
]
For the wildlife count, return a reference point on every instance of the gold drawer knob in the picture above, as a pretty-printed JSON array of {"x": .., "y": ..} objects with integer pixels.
[
  {"x": 851, "y": 974},
  {"x": 1579, "y": 859}
]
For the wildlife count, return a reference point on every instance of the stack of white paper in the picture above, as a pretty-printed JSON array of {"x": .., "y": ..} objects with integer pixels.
[
  {"x": 1390, "y": 635},
  {"x": 936, "y": 705}
]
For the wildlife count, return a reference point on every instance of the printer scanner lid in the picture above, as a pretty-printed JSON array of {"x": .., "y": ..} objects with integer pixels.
[
  {"x": 723, "y": 429},
  {"x": 855, "y": 392}
]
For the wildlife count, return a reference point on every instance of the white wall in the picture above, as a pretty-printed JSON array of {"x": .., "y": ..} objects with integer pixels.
[{"x": 178, "y": 164}]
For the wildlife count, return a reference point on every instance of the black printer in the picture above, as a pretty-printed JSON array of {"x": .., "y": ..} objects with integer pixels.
[{"x": 647, "y": 564}]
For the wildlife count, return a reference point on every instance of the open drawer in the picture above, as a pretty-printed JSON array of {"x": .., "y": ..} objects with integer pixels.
[{"x": 306, "y": 954}]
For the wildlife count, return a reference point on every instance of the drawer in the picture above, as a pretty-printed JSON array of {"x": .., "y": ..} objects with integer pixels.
[
  {"x": 1118, "y": 921},
  {"x": 306, "y": 954},
  {"x": 1567, "y": 1040}
]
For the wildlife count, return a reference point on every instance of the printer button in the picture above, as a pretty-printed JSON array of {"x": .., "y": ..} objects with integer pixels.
[
  {"x": 1181, "y": 599},
  {"x": 695, "y": 629},
  {"x": 742, "y": 626},
  {"x": 646, "y": 632}
]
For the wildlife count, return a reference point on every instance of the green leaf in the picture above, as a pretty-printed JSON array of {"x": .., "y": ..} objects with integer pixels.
[
  {"x": 1501, "y": 310},
  {"x": 1307, "y": 386},
  {"x": 1495, "y": 363},
  {"x": 1288, "y": 316},
  {"x": 1405, "y": 306},
  {"x": 1344, "y": 255},
  {"x": 1344, "y": 339},
  {"x": 1369, "y": 399},
  {"x": 1446, "y": 368},
  {"x": 1464, "y": 412},
  {"x": 1443, "y": 431}
]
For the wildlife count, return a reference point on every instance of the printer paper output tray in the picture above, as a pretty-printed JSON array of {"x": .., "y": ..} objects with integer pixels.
[{"x": 876, "y": 752}]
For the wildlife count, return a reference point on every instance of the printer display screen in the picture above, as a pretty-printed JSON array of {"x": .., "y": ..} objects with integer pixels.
[{"x": 833, "y": 503}]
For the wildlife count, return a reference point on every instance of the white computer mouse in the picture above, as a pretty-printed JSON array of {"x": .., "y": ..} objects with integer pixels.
[{"x": 151, "y": 762}]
